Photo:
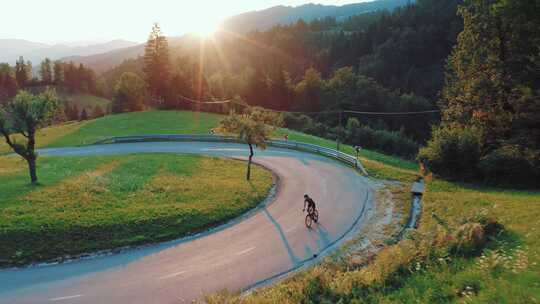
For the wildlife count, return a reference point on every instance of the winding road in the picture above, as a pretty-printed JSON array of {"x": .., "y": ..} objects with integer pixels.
[{"x": 250, "y": 251}]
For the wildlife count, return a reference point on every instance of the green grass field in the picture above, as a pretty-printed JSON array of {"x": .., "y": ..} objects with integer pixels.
[
  {"x": 85, "y": 204},
  {"x": 140, "y": 123}
]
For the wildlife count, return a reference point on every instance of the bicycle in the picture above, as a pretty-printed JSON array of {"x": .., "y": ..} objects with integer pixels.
[{"x": 312, "y": 216}]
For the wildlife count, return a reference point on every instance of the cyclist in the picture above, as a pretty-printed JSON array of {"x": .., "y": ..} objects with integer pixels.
[{"x": 310, "y": 204}]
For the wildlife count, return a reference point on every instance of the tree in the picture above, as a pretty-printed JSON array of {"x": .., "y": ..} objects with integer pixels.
[
  {"x": 492, "y": 85},
  {"x": 58, "y": 73},
  {"x": 46, "y": 71},
  {"x": 21, "y": 73},
  {"x": 156, "y": 63},
  {"x": 24, "y": 115},
  {"x": 8, "y": 83},
  {"x": 60, "y": 115},
  {"x": 253, "y": 128},
  {"x": 309, "y": 91},
  {"x": 98, "y": 112},
  {"x": 72, "y": 112},
  {"x": 129, "y": 94}
]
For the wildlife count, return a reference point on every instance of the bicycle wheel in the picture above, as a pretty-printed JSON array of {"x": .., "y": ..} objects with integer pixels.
[
  {"x": 308, "y": 221},
  {"x": 315, "y": 216}
]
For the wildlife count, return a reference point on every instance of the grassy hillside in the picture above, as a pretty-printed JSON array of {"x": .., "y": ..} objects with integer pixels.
[
  {"x": 140, "y": 123},
  {"x": 86, "y": 204},
  {"x": 86, "y": 101}
]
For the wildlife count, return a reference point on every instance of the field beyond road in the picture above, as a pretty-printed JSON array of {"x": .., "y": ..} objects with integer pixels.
[{"x": 85, "y": 204}]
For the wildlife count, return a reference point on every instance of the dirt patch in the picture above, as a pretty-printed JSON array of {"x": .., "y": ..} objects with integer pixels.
[{"x": 385, "y": 221}]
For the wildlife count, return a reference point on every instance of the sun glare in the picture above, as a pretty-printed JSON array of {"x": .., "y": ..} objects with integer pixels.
[{"x": 206, "y": 29}]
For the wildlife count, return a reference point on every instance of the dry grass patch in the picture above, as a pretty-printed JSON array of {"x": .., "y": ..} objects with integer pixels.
[
  {"x": 9, "y": 165},
  {"x": 48, "y": 135}
]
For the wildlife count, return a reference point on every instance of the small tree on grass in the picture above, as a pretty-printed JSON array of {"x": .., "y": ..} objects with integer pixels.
[
  {"x": 24, "y": 115},
  {"x": 254, "y": 127},
  {"x": 129, "y": 94}
]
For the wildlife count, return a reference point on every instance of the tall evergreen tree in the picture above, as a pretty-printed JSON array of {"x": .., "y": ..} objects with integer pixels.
[
  {"x": 46, "y": 71},
  {"x": 58, "y": 73},
  {"x": 156, "y": 63},
  {"x": 492, "y": 79},
  {"x": 491, "y": 99},
  {"x": 21, "y": 73}
]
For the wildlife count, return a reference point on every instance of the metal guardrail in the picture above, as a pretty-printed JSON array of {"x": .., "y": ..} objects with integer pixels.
[{"x": 287, "y": 144}]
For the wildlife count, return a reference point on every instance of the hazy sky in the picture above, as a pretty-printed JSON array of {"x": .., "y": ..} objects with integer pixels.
[{"x": 82, "y": 20}]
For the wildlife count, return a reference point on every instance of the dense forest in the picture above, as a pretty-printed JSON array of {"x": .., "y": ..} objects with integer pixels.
[{"x": 66, "y": 78}]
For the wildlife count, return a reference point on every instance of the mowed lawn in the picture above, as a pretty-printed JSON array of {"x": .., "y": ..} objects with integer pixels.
[{"x": 85, "y": 204}]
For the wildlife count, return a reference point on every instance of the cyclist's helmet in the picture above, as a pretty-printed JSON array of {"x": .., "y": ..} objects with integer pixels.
[{"x": 306, "y": 196}]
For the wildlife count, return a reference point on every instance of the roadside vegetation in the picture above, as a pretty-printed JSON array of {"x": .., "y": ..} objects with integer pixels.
[{"x": 86, "y": 204}]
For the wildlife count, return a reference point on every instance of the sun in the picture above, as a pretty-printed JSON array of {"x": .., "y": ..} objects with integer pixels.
[{"x": 205, "y": 30}]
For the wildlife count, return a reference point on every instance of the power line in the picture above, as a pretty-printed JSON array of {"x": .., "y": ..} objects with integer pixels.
[
  {"x": 206, "y": 102},
  {"x": 230, "y": 101},
  {"x": 393, "y": 113}
]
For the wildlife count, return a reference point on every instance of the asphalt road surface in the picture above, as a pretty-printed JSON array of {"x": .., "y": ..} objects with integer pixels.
[{"x": 250, "y": 251}]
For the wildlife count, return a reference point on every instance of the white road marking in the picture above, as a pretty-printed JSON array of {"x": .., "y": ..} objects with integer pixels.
[
  {"x": 291, "y": 229},
  {"x": 223, "y": 149},
  {"x": 172, "y": 275},
  {"x": 65, "y": 298},
  {"x": 245, "y": 251}
]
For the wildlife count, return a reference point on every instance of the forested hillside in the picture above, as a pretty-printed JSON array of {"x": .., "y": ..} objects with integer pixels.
[{"x": 383, "y": 61}]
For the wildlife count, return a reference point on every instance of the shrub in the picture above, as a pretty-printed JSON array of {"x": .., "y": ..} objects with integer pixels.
[
  {"x": 511, "y": 164},
  {"x": 382, "y": 140},
  {"x": 296, "y": 122},
  {"x": 453, "y": 152}
]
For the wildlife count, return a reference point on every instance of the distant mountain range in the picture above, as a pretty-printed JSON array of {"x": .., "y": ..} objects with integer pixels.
[
  {"x": 256, "y": 20},
  {"x": 105, "y": 56},
  {"x": 265, "y": 19},
  {"x": 11, "y": 49}
]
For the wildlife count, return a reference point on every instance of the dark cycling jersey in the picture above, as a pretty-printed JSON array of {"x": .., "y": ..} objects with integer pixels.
[{"x": 310, "y": 203}]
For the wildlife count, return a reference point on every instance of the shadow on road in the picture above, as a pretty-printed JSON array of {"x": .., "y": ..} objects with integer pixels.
[
  {"x": 292, "y": 256},
  {"x": 322, "y": 237}
]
